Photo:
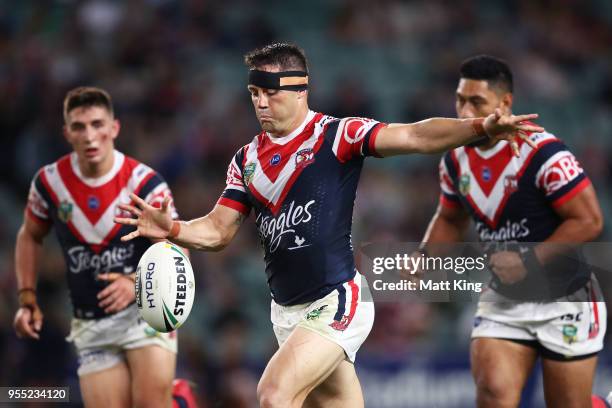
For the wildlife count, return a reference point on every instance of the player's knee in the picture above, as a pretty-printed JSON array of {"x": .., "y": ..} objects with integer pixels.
[
  {"x": 270, "y": 395},
  {"x": 154, "y": 394},
  {"x": 492, "y": 388}
]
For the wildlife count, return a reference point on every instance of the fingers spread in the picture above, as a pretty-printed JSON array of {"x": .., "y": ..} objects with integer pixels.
[
  {"x": 131, "y": 209},
  {"x": 139, "y": 201},
  {"x": 131, "y": 235},
  {"x": 107, "y": 301},
  {"x": 530, "y": 128},
  {"x": 515, "y": 148},
  {"x": 107, "y": 291},
  {"x": 126, "y": 221},
  {"x": 527, "y": 140},
  {"x": 521, "y": 118},
  {"x": 166, "y": 203},
  {"x": 111, "y": 276}
]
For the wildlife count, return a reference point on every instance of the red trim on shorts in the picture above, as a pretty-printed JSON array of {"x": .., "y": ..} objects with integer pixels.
[
  {"x": 594, "y": 329},
  {"x": 354, "y": 298}
]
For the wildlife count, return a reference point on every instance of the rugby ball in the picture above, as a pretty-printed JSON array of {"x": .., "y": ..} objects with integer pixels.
[{"x": 165, "y": 286}]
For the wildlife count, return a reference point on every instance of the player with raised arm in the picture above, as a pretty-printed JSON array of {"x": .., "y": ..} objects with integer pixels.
[
  {"x": 300, "y": 175},
  {"x": 122, "y": 361},
  {"x": 543, "y": 196}
]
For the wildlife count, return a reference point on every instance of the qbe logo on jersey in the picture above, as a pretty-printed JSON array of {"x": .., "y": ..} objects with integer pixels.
[
  {"x": 558, "y": 171},
  {"x": 165, "y": 287}
]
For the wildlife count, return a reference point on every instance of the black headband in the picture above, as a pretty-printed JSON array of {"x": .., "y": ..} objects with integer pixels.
[{"x": 285, "y": 80}]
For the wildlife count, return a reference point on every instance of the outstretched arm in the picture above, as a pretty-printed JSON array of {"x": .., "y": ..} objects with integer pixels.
[
  {"x": 212, "y": 232},
  {"x": 440, "y": 134}
]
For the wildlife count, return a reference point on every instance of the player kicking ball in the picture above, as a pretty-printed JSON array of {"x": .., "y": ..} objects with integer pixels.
[
  {"x": 299, "y": 176},
  {"x": 542, "y": 195}
]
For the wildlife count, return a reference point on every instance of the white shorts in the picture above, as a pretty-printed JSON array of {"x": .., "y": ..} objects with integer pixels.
[
  {"x": 101, "y": 343},
  {"x": 563, "y": 330},
  {"x": 345, "y": 316}
]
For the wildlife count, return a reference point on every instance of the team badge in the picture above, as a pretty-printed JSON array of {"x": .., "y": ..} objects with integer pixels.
[
  {"x": 510, "y": 184},
  {"x": 275, "y": 159},
  {"x": 486, "y": 173},
  {"x": 569, "y": 333},
  {"x": 303, "y": 158},
  {"x": 64, "y": 211},
  {"x": 464, "y": 184},
  {"x": 249, "y": 172},
  {"x": 93, "y": 202}
]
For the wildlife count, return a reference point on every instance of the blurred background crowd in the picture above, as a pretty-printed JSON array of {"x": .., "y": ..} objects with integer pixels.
[{"x": 175, "y": 71}]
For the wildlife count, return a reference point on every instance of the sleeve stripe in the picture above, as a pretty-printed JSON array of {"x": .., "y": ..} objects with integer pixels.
[
  {"x": 449, "y": 202},
  {"x": 572, "y": 193},
  {"x": 370, "y": 145},
  {"x": 36, "y": 218},
  {"x": 238, "y": 206}
]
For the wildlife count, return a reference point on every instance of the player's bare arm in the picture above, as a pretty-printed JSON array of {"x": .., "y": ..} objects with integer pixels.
[
  {"x": 582, "y": 222},
  {"x": 212, "y": 232},
  {"x": 29, "y": 318},
  {"x": 448, "y": 224},
  {"x": 440, "y": 134}
]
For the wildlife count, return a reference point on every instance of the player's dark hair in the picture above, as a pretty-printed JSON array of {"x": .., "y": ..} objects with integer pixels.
[
  {"x": 491, "y": 69},
  {"x": 87, "y": 96},
  {"x": 287, "y": 56}
]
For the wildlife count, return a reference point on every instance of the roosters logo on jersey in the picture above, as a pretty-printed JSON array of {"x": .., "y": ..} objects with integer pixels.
[
  {"x": 303, "y": 158},
  {"x": 510, "y": 184},
  {"x": 273, "y": 229}
]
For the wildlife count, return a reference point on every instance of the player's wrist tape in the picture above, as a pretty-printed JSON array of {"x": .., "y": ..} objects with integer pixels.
[
  {"x": 478, "y": 127},
  {"x": 27, "y": 297},
  {"x": 175, "y": 230},
  {"x": 284, "y": 80},
  {"x": 530, "y": 260}
]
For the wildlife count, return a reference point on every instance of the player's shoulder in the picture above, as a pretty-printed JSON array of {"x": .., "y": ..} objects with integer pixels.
[
  {"x": 541, "y": 139},
  {"x": 134, "y": 168},
  {"x": 51, "y": 168}
]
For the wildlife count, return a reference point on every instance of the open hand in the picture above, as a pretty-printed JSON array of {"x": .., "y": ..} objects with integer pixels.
[
  {"x": 119, "y": 294},
  {"x": 511, "y": 127},
  {"x": 28, "y": 322},
  {"x": 150, "y": 222},
  {"x": 508, "y": 266}
]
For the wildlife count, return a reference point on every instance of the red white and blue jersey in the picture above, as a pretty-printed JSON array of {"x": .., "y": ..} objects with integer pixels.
[
  {"x": 82, "y": 210},
  {"x": 513, "y": 199},
  {"x": 302, "y": 188}
]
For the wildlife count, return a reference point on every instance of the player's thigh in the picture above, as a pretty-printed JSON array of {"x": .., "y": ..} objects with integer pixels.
[
  {"x": 500, "y": 368},
  {"x": 107, "y": 388},
  {"x": 568, "y": 383},
  {"x": 341, "y": 389},
  {"x": 152, "y": 370},
  {"x": 303, "y": 361}
]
